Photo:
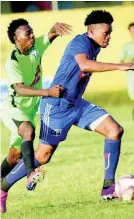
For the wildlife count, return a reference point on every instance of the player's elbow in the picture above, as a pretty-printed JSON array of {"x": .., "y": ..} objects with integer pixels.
[
  {"x": 19, "y": 89},
  {"x": 84, "y": 68}
]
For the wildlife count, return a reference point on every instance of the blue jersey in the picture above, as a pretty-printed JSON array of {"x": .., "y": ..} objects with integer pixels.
[
  {"x": 69, "y": 74},
  {"x": 59, "y": 114}
]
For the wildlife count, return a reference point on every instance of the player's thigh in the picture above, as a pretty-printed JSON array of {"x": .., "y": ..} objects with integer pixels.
[
  {"x": 15, "y": 139},
  {"x": 90, "y": 116},
  {"x": 55, "y": 124}
]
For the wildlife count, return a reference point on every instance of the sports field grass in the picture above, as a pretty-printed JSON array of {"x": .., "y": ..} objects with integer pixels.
[{"x": 71, "y": 189}]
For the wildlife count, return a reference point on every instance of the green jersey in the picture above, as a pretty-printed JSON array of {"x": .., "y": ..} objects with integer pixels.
[
  {"x": 127, "y": 53},
  {"x": 26, "y": 69}
]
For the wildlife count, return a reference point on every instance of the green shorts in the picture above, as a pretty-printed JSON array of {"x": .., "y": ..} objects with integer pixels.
[{"x": 12, "y": 118}]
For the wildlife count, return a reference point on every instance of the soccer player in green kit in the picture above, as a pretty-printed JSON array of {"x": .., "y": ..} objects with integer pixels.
[
  {"x": 127, "y": 55},
  {"x": 25, "y": 89}
]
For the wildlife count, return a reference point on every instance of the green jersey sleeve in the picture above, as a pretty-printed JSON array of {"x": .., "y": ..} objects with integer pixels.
[
  {"x": 42, "y": 43},
  {"x": 14, "y": 73}
]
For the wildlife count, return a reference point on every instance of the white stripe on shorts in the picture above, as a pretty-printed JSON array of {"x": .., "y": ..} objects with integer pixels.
[{"x": 94, "y": 124}]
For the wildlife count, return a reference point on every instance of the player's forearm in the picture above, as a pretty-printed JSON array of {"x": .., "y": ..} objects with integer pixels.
[
  {"x": 94, "y": 66},
  {"x": 26, "y": 91}
]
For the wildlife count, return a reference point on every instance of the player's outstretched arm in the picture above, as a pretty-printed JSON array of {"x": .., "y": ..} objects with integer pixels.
[
  {"x": 87, "y": 65},
  {"x": 59, "y": 29},
  {"x": 24, "y": 90}
]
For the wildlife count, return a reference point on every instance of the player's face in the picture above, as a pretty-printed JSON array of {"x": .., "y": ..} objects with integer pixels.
[
  {"x": 132, "y": 31},
  {"x": 102, "y": 34},
  {"x": 24, "y": 36}
]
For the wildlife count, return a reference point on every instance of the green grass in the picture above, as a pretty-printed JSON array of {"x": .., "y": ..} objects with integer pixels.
[{"x": 71, "y": 189}]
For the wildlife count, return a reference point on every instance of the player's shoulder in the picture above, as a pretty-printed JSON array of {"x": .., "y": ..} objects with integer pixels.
[
  {"x": 12, "y": 56},
  {"x": 79, "y": 38}
]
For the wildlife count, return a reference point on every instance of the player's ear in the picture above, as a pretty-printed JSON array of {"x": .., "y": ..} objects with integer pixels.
[
  {"x": 15, "y": 38},
  {"x": 91, "y": 30}
]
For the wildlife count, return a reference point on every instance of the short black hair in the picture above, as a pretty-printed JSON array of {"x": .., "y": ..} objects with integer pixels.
[
  {"x": 97, "y": 17},
  {"x": 130, "y": 25},
  {"x": 13, "y": 26}
]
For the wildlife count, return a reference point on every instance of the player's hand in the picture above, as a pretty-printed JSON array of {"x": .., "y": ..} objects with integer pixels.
[
  {"x": 55, "y": 91},
  {"x": 61, "y": 29},
  {"x": 126, "y": 67}
]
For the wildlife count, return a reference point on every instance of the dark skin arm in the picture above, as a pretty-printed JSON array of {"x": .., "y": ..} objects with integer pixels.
[
  {"x": 87, "y": 65},
  {"x": 26, "y": 91}
]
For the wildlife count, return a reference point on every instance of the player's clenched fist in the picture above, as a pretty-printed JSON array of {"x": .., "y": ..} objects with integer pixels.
[{"x": 55, "y": 91}]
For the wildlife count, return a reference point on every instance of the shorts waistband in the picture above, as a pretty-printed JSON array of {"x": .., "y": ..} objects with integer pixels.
[{"x": 62, "y": 102}]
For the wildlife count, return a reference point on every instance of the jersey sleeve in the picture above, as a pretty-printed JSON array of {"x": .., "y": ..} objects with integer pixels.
[
  {"x": 42, "y": 43},
  {"x": 76, "y": 47},
  {"x": 14, "y": 72}
]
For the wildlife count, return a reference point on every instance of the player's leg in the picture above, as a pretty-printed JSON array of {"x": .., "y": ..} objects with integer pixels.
[
  {"x": 10, "y": 161},
  {"x": 15, "y": 141},
  {"x": 113, "y": 133},
  {"x": 42, "y": 156},
  {"x": 53, "y": 130},
  {"x": 97, "y": 119},
  {"x": 27, "y": 132}
]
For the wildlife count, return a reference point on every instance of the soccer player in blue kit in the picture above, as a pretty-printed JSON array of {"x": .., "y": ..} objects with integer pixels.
[{"x": 59, "y": 114}]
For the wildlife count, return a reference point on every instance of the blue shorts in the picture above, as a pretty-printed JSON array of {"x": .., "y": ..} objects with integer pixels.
[{"x": 57, "y": 118}]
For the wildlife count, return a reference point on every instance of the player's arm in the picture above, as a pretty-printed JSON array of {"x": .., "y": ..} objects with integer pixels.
[
  {"x": 87, "y": 65},
  {"x": 24, "y": 90},
  {"x": 59, "y": 29}
]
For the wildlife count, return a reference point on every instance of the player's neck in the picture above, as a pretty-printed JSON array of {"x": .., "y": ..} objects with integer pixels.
[{"x": 22, "y": 50}]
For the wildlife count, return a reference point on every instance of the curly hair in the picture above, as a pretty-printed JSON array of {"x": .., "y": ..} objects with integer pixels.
[
  {"x": 97, "y": 17},
  {"x": 130, "y": 25},
  {"x": 13, "y": 26}
]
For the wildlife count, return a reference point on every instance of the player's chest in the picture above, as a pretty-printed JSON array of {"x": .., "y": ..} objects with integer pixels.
[{"x": 31, "y": 69}]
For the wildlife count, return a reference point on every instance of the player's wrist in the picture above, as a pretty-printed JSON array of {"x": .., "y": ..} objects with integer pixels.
[{"x": 48, "y": 92}]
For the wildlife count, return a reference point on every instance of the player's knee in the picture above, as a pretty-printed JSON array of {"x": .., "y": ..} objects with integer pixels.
[
  {"x": 115, "y": 132},
  {"x": 29, "y": 135},
  {"x": 45, "y": 158},
  {"x": 13, "y": 158}
]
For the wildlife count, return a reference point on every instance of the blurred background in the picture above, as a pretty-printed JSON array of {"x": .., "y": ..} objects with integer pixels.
[
  {"x": 104, "y": 89},
  {"x": 71, "y": 189}
]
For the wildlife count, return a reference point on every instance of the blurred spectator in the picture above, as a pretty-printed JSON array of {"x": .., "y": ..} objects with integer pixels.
[{"x": 127, "y": 55}]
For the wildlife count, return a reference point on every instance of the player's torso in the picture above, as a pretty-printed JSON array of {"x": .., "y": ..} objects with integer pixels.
[
  {"x": 30, "y": 66},
  {"x": 69, "y": 74}
]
